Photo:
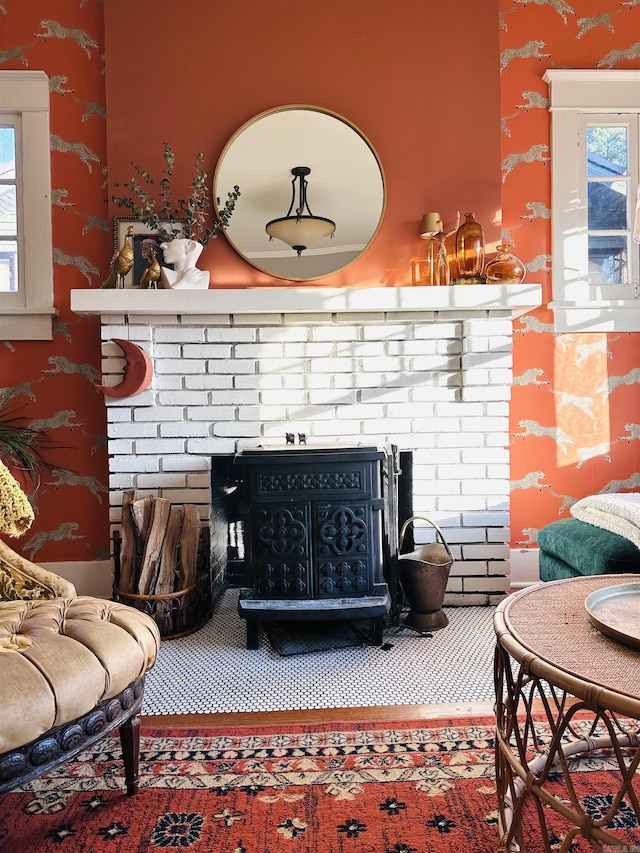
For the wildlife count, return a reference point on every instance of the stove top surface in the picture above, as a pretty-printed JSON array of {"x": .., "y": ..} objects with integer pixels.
[{"x": 296, "y": 448}]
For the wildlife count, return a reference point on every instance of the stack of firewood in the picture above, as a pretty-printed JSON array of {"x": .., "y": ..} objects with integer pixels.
[{"x": 159, "y": 546}]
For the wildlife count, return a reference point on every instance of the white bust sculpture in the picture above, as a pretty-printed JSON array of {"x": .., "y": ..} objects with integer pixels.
[{"x": 183, "y": 253}]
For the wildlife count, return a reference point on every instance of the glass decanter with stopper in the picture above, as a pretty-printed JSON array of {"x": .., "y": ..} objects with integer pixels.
[{"x": 505, "y": 268}]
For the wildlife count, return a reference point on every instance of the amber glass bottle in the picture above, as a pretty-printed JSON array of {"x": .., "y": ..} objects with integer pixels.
[
  {"x": 505, "y": 268},
  {"x": 470, "y": 248}
]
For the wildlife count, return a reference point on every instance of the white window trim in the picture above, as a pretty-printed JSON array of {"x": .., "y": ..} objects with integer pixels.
[
  {"x": 26, "y": 93},
  {"x": 574, "y": 96}
]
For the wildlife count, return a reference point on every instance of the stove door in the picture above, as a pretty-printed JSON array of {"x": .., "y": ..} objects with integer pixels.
[
  {"x": 348, "y": 556},
  {"x": 280, "y": 551}
]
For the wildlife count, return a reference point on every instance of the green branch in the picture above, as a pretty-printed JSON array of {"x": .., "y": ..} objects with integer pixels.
[{"x": 165, "y": 217}]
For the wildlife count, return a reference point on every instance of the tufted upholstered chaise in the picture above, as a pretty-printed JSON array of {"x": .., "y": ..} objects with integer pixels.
[{"x": 72, "y": 669}]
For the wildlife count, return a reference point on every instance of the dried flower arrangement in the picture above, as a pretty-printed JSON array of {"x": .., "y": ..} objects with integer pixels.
[{"x": 184, "y": 217}]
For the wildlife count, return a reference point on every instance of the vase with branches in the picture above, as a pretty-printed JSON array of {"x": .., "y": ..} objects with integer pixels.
[
  {"x": 181, "y": 226},
  {"x": 153, "y": 203}
]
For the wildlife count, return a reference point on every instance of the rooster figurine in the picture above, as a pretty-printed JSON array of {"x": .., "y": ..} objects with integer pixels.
[
  {"x": 121, "y": 262},
  {"x": 151, "y": 275}
]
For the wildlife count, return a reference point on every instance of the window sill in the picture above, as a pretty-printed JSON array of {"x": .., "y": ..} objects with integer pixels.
[
  {"x": 619, "y": 315},
  {"x": 27, "y": 324}
]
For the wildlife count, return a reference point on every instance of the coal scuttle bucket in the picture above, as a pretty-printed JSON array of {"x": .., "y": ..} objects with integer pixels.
[{"x": 424, "y": 574}]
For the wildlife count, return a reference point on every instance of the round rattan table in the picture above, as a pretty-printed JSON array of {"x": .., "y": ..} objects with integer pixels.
[{"x": 564, "y": 690}]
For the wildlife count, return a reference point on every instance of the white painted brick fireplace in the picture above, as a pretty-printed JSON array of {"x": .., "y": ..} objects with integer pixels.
[{"x": 427, "y": 369}]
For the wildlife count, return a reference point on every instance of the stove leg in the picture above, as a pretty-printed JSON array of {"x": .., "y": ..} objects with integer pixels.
[
  {"x": 378, "y": 624},
  {"x": 253, "y": 634}
]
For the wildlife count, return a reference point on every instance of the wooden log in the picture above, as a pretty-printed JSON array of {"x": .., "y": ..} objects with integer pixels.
[
  {"x": 141, "y": 510},
  {"x": 189, "y": 541},
  {"x": 168, "y": 573},
  {"x": 169, "y": 560},
  {"x": 153, "y": 546},
  {"x": 128, "y": 579}
]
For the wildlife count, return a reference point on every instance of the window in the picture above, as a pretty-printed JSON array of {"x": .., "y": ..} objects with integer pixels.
[
  {"x": 26, "y": 254},
  {"x": 8, "y": 209},
  {"x": 595, "y": 159}
]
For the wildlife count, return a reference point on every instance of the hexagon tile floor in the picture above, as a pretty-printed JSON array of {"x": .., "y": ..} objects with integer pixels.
[{"x": 212, "y": 671}]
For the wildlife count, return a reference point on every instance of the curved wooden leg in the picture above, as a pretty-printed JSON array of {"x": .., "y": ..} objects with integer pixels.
[{"x": 130, "y": 742}]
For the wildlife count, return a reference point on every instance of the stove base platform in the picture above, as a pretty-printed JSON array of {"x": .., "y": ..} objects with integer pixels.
[{"x": 256, "y": 610}]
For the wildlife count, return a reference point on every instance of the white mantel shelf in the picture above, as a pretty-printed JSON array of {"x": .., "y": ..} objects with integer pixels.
[{"x": 446, "y": 302}]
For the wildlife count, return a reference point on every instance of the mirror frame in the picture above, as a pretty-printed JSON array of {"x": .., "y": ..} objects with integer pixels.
[{"x": 220, "y": 192}]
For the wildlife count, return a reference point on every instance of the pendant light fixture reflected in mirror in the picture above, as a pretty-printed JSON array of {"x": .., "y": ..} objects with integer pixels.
[{"x": 301, "y": 229}]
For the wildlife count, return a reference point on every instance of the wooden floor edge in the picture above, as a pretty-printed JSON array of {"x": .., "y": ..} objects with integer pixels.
[{"x": 371, "y": 714}]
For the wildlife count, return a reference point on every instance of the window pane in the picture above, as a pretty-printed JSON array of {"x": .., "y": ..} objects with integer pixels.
[
  {"x": 607, "y": 205},
  {"x": 7, "y": 153},
  {"x": 608, "y": 260},
  {"x": 8, "y": 218},
  {"x": 8, "y": 266},
  {"x": 607, "y": 151}
]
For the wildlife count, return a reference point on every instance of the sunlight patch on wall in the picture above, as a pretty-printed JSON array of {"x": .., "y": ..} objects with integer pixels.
[{"x": 581, "y": 414}]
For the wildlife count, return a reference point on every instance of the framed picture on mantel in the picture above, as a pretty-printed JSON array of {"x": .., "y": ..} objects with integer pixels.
[{"x": 139, "y": 250}]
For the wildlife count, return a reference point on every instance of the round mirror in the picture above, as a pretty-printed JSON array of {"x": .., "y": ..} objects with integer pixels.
[{"x": 312, "y": 192}]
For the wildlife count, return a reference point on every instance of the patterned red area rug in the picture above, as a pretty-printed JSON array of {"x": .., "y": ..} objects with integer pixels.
[{"x": 358, "y": 788}]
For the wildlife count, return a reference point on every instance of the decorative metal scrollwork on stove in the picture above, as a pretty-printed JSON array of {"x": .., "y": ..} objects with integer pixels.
[
  {"x": 310, "y": 481},
  {"x": 282, "y": 578},
  {"x": 283, "y": 533},
  {"x": 344, "y": 577},
  {"x": 343, "y": 531}
]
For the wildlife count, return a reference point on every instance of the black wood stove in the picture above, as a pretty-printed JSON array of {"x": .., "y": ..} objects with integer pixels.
[{"x": 320, "y": 533}]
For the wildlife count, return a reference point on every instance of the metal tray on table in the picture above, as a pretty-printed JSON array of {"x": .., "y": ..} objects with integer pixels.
[{"x": 615, "y": 611}]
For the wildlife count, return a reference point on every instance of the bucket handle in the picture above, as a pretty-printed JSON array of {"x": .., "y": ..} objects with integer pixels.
[{"x": 403, "y": 530}]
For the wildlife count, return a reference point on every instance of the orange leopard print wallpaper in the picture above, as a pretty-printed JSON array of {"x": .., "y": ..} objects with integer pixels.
[
  {"x": 51, "y": 383},
  {"x": 575, "y": 423}
]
